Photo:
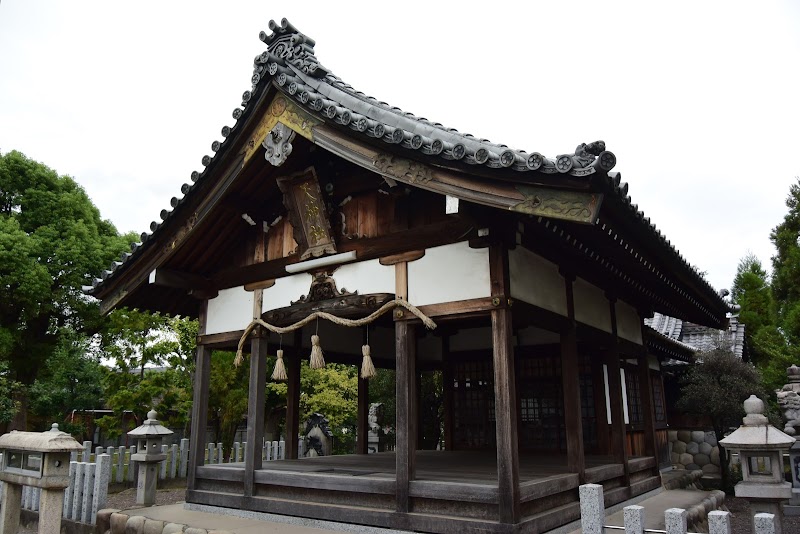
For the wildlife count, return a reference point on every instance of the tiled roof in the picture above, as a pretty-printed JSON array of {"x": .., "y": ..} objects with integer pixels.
[
  {"x": 290, "y": 65},
  {"x": 700, "y": 338}
]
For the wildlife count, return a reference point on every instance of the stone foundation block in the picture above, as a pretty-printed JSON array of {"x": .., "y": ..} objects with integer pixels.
[
  {"x": 672, "y": 435},
  {"x": 693, "y": 447},
  {"x": 679, "y": 447},
  {"x": 714, "y": 456},
  {"x": 192, "y": 530},
  {"x": 711, "y": 439},
  {"x": 701, "y": 460},
  {"x": 103, "y": 521},
  {"x": 698, "y": 436},
  {"x": 706, "y": 448},
  {"x": 693, "y": 467},
  {"x": 153, "y": 526},
  {"x": 135, "y": 525},
  {"x": 711, "y": 469},
  {"x": 684, "y": 436},
  {"x": 675, "y": 458},
  {"x": 173, "y": 528},
  {"x": 687, "y": 459},
  {"x": 118, "y": 522}
]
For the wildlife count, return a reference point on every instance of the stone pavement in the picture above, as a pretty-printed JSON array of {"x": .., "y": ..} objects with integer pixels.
[{"x": 171, "y": 518}]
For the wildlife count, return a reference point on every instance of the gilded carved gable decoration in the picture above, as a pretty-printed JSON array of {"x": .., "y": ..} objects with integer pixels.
[
  {"x": 307, "y": 213},
  {"x": 278, "y": 144},
  {"x": 323, "y": 287},
  {"x": 281, "y": 111}
]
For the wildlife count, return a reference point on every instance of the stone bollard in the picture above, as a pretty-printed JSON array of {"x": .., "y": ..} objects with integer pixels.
[{"x": 593, "y": 511}]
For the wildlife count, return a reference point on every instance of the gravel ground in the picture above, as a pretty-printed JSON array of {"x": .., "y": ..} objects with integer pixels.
[{"x": 741, "y": 522}]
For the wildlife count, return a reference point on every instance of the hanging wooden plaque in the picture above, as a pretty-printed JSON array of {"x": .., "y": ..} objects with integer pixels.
[{"x": 307, "y": 213}]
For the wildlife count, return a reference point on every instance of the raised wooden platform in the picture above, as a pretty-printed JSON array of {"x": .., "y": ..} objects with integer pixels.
[{"x": 454, "y": 491}]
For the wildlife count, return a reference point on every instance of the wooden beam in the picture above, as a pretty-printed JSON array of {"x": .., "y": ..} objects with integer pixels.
[
  {"x": 505, "y": 394},
  {"x": 405, "y": 450},
  {"x": 648, "y": 415},
  {"x": 362, "y": 425},
  {"x": 570, "y": 378},
  {"x": 223, "y": 339},
  {"x": 403, "y": 257},
  {"x": 197, "y": 438},
  {"x": 293, "y": 397},
  {"x": 255, "y": 408},
  {"x": 447, "y": 386},
  {"x": 179, "y": 279}
]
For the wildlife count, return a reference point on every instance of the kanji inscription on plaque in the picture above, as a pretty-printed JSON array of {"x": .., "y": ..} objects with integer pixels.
[{"x": 307, "y": 213}]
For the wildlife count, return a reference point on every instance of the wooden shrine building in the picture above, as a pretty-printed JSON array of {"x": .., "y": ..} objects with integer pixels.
[{"x": 537, "y": 272}]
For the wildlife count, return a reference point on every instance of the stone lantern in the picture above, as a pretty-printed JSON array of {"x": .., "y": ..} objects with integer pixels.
[
  {"x": 149, "y": 437},
  {"x": 40, "y": 460},
  {"x": 789, "y": 402},
  {"x": 761, "y": 447}
]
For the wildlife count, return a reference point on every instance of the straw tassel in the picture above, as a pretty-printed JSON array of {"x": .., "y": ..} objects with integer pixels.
[
  {"x": 317, "y": 360},
  {"x": 280, "y": 369},
  {"x": 367, "y": 368}
]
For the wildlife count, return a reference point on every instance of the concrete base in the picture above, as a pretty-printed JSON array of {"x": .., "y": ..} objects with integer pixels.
[{"x": 791, "y": 510}]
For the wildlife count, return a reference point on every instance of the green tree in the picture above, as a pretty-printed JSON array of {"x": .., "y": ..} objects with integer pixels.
[
  {"x": 786, "y": 267},
  {"x": 8, "y": 388},
  {"x": 71, "y": 380},
  {"x": 751, "y": 290},
  {"x": 52, "y": 241},
  {"x": 716, "y": 388}
]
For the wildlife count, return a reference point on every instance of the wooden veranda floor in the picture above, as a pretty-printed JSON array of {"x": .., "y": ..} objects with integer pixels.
[{"x": 476, "y": 467}]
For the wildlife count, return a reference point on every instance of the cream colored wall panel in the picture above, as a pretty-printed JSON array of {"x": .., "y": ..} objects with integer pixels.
[
  {"x": 591, "y": 305},
  {"x": 365, "y": 277},
  {"x": 449, "y": 273},
  {"x": 536, "y": 281},
  {"x": 231, "y": 310},
  {"x": 628, "y": 322},
  {"x": 286, "y": 290}
]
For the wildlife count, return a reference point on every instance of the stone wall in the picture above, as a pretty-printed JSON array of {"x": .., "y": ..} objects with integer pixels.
[{"x": 694, "y": 449}]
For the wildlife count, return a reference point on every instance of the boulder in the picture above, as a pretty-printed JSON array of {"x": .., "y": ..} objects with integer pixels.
[
  {"x": 698, "y": 436},
  {"x": 705, "y": 448},
  {"x": 684, "y": 436},
  {"x": 702, "y": 460},
  {"x": 714, "y": 456},
  {"x": 711, "y": 439},
  {"x": 687, "y": 459},
  {"x": 710, "y": 469},
  {"x": 693, "y": 447},
  {"x": 679, "y": 447}
]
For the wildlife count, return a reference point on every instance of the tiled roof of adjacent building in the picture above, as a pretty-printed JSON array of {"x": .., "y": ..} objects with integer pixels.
[{"x": 701, "y": 338}]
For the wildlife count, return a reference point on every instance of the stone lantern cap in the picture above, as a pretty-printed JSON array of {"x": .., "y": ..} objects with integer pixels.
[
  {"x": 151, "y": 428},
  {"x": 756, "y": 432},
  {"x": 52, "y": 441}
]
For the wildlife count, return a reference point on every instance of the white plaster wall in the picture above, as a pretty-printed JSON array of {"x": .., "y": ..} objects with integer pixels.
[
  {"x": 449, "y": 273},
  {"x": 628, "y": 322},
  {"x": 286, "y": 290},
  {"x": 231, "y": 310},
  {"x": 536, "y": 281},
  {"x": 591, "y": 305},
  {"x": 365, "y": 277}
]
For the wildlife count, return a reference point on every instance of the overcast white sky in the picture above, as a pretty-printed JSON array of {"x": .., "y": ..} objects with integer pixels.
[{"x": 698, "y": 100}]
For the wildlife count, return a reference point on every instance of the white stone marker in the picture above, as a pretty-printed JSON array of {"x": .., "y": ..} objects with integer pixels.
[
  {"x": 67, "y": 508},
  {"x": 220, "y": 454},
  {"x": 675, "y": 520},
  {"x": 77, "y": 492},
  {"x": 766, "y": 524},
  {"x": 173, "y": 460},
  {"x": 162, "y": 466},
  {"x": 719, "y": 522},
  {"x": 121, "y": 464},
  {"x": 184, "y": 457},
  {"x": 87, "y": 451},
  {"x": 593, "y": 510},
  {"x": 102, "y": 476},
  {"x": 88, "y": 492}
]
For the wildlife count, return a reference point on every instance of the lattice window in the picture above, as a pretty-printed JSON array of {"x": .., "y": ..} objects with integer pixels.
[
  {"x": 588, "y": 413},
  {"x": 635, "y": 414},
  {"x": 473, "y": 405},
  {"x": 541, "y": 403},
  {"x": 658, "y": 398}
]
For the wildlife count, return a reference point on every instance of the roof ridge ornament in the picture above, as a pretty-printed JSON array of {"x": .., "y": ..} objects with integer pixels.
[{"x": 287, "y": 45}]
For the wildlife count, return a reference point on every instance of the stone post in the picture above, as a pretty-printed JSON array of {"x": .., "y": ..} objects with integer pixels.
[{"x": 593, "y": 510}]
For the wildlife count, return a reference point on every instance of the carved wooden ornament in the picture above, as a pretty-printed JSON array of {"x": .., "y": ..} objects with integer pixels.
[
  {"x": 567, "y": 205},
  {"x": 307, "y": 213}
]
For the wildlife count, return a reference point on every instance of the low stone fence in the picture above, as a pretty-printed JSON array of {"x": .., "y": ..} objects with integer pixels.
[
  {"x": 675, "y": 519},
  {"x": 694, "y": 450}
]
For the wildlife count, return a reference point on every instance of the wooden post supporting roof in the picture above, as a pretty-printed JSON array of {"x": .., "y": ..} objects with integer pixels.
[
  {"x": 293, "y": 397},
  {"x": 197, "y": 444},
  {"x": 619, "y": 446},
  {"x": 255, "y": 408},
  {"x": 648, "y": 414},
  {"x": 405, "y": 449},
  {"x": 505, "y": 394},
  {"x": 570, "y": 378}
]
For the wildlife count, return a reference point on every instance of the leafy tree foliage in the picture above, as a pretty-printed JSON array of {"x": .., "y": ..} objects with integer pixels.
[
  {"x": 71, "y": 380},
  {"x": 52, "y": 240},
  {"x": 717, "y": 389},
  {"x": 8, "y": 388}
]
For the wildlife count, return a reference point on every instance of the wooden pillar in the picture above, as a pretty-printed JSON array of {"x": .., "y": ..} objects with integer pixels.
[
  {"x": 362, "y": 432},
  {"x": 570, "y": 380},
  {"x": 405, "y": 450},
  {"x": 197, "y": 446},
  {"x": 447, "y": 386},
  {"x": 255, "y": 408},
  {"x": 648, "y": 415},
  {"x": 619, "y": 445},
  {"x": 293, "y": 397},
  {"x": 505, "y": 391}
]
